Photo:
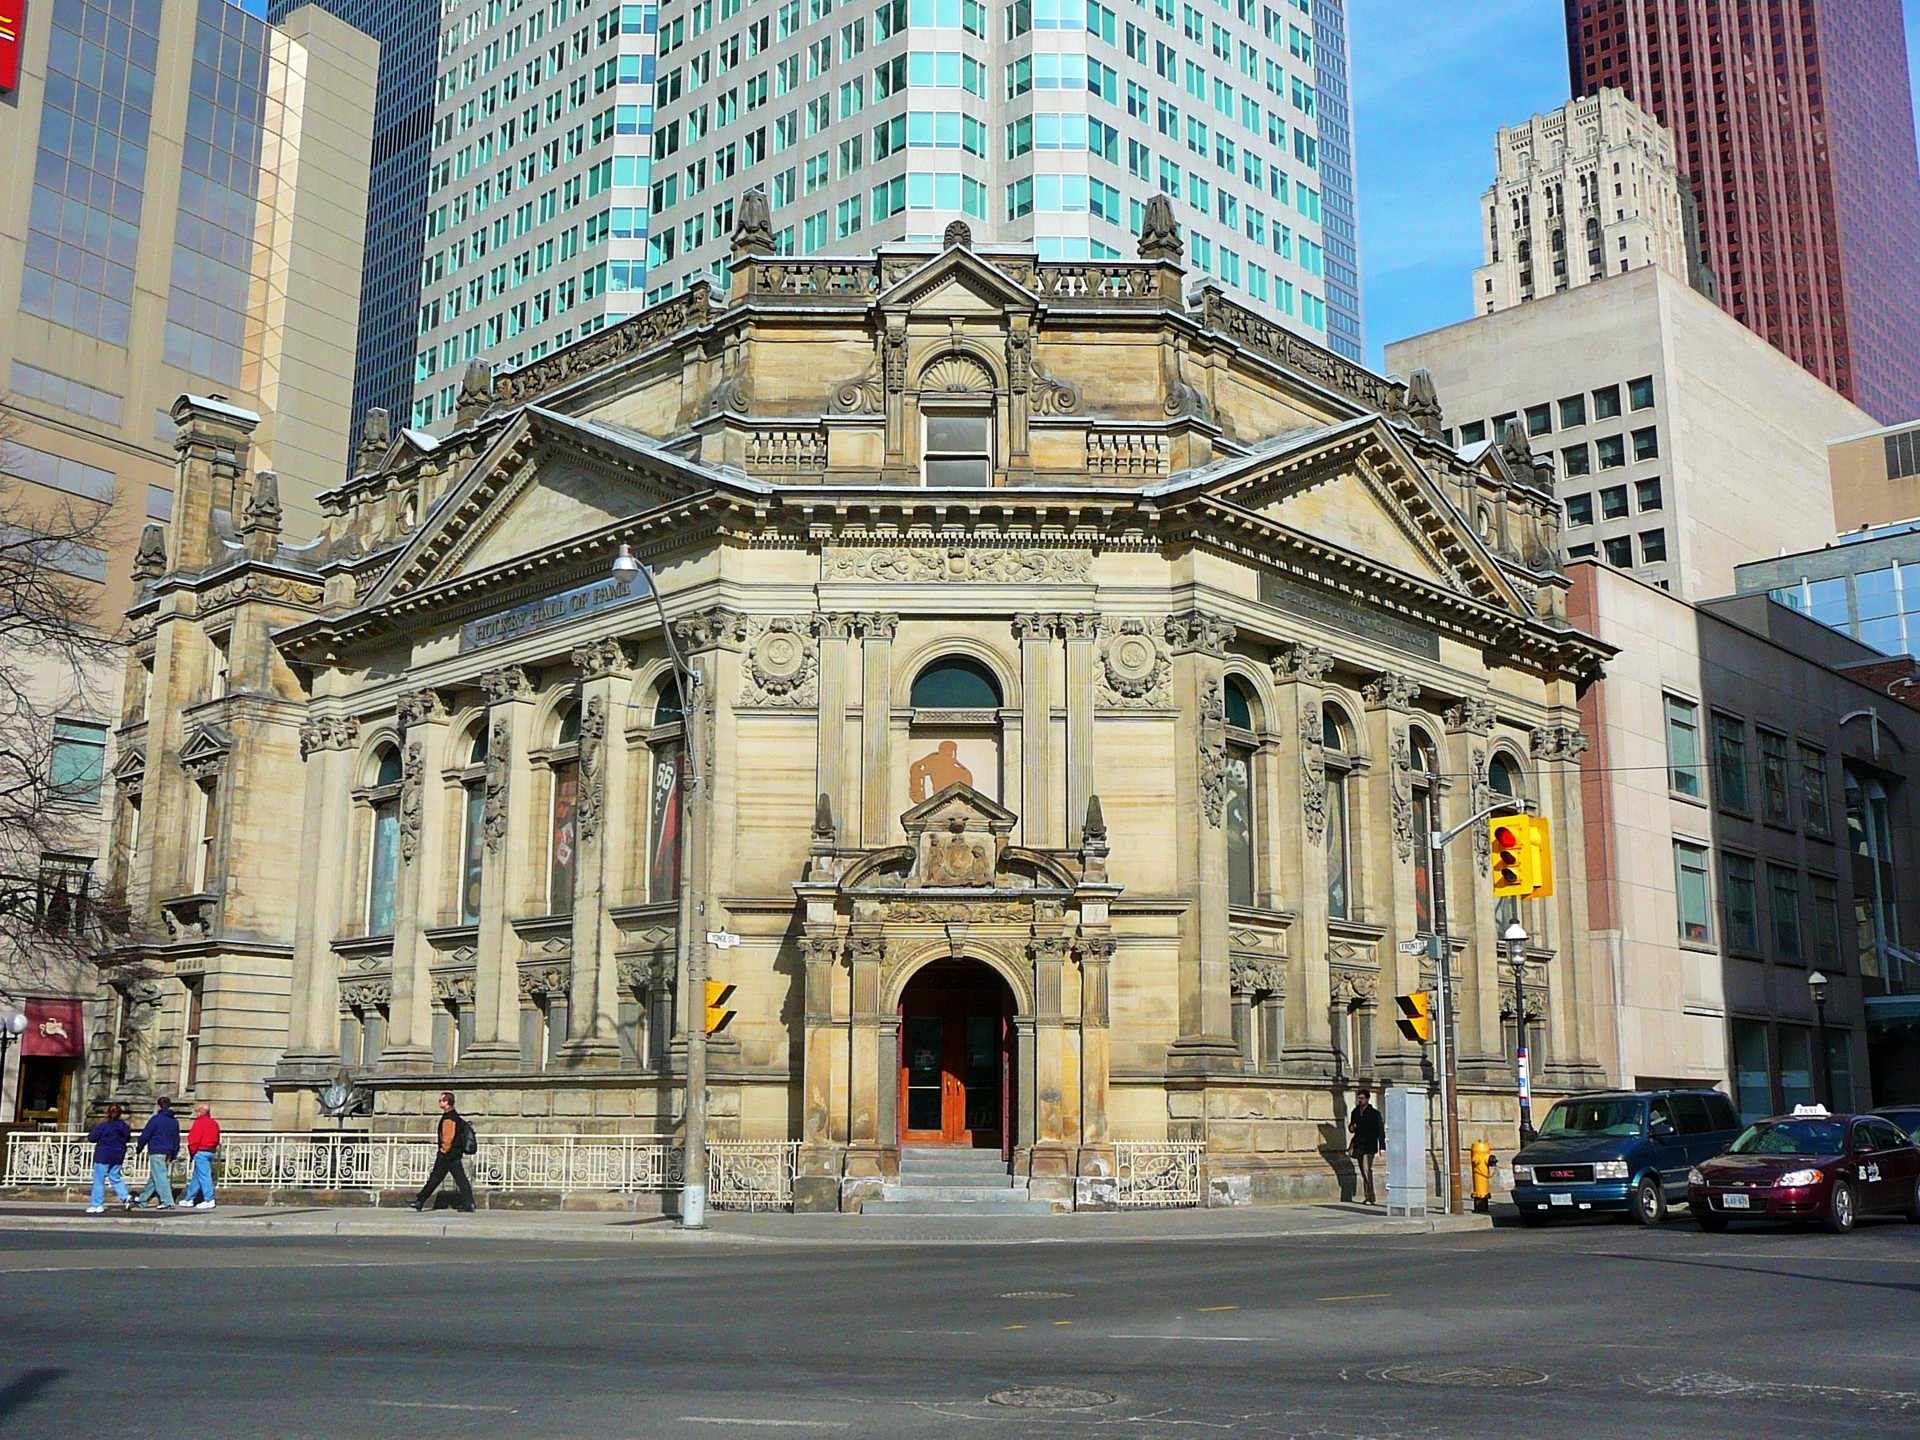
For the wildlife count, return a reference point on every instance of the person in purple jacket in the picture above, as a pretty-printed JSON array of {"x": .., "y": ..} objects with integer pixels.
[{"x": 110, "y": 1140}]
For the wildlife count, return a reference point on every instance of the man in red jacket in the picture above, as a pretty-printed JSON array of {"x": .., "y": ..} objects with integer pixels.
[{"x": 203, "y": 1138}]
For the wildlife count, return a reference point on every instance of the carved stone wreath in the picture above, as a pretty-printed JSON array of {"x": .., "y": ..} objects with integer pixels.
[
  {"x": 1134, "y": 669},
  {"x": 782, "y": 665}
]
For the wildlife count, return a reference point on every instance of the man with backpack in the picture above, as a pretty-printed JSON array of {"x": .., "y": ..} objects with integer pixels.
[{"x": 456, "y": 1142}]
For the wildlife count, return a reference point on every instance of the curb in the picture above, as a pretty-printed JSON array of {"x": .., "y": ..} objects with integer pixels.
[{"x": 870, "y": 1231}]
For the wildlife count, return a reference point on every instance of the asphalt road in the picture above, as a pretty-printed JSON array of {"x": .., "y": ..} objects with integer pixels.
[{"x": 1587, "y": 1331}]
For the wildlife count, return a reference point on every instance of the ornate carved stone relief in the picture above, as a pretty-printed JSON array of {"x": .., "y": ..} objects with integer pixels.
[
  {"x": 1134, "y": 668},
  {"x": 545, "y": 979},
  {"x": 417, "y": 707},
  {"x": 960, "y": 566},
  {"x": 509, "y": 682},
  {"x": 1355, "y": 987},
  {"x": 1390, "y": 689},
  {"x": 1198, "y": 632},
  {"x": 1213, "y": 753},
  {"x": 782, "y": 662},
  {"x": 1313, "y": 775},
  {"x": 330, "y": 733},
  {"x": 1400, "y": 775},
  {"x": 593, "y": 769},
  {"x": 1559, "y": 742},
  {"x": 494, "y": 810},
  {"x": 1310, "y": 664},
  {"x": 606, "y": 656},
  {"x": 1472, "y": 716},
  {"x": 412, "y": 767},
  {"x": 1253, "y": 975}
]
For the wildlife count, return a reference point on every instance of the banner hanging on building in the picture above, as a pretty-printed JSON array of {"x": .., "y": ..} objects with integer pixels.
[
  {"x": 53, "y": 1026},
  {"x": 13, "y": 35}
]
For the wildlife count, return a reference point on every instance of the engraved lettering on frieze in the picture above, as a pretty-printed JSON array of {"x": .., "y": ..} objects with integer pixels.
[
  {"x": 1134, "y": 668},
  {"x": 960, "y": 566},
  {"x": 1313, "y": 775},
  {"x": 782, "y": 663},
  {"x": 494, "y": 810}
]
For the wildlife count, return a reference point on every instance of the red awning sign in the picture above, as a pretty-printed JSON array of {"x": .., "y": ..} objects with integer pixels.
[{"x": 53, "y": 1026}]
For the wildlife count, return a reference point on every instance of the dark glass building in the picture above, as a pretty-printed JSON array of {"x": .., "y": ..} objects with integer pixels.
[
  {"x": 1794, "y": 120},
  {"x": 409, "y": 34}
]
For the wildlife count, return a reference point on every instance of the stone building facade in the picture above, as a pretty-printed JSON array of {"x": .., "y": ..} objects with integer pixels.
[{"x": 1083, "y": 666}]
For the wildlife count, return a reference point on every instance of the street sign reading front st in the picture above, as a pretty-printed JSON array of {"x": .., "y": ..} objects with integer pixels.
[{"x": 1412, "y": 947}]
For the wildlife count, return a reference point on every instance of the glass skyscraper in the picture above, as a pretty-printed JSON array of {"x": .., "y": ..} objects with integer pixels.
[
  {"x": 409, "y": 36},
  {"x": 588, "y": 158}
]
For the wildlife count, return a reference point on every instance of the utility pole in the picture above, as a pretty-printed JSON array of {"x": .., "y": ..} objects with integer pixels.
[{"x": 693, "y": 1185}]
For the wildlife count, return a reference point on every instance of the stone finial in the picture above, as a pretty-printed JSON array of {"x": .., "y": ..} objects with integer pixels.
[
  {"x": 476, "y": 392},
  {"x": 1093, "y": 842},
  {"x": 957, "y": 236},
  {"x": 1516, "y": 448},
  {"x": 1159, "y": 234},
  {"x": 753, "y": 224},
  {"x": 376, "y": 434},
  {"x": 1423, "y": 404},
  {"x": 823, "y": 827},
  {"x": 150, "y": 560},
  {"x": 260, "y": 525}
]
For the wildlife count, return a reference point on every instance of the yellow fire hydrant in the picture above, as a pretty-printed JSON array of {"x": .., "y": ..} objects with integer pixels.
[{"x": 1482, "y": 1176}]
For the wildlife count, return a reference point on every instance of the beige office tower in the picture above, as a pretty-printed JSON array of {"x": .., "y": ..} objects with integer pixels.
[
  {"x": 1586, "y": 191},
  {"x": 182, "y": 205}
]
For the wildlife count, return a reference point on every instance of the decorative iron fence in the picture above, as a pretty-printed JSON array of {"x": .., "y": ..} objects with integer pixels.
[
  {"x": 751, "y": 1174},
  {"x": 1158, "y": 1174},
  {"x": 359, "y": 1160}
]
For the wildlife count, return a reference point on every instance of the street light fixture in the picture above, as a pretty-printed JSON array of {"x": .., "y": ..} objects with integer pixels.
[
  {"x": 1817, "y": 988},
  {"x": 1515, "y": 938},
  {"x": 13, "y": 1024},
  {"x": 628, "y": 567}
]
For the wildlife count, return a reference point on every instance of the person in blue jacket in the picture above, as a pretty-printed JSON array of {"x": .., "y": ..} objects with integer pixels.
[
  {"x": 110, "y": 1140},
  {"x": 160, "y": 1141}
]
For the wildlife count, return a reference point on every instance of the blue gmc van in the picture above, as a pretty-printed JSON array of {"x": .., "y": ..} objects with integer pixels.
[{"x": 1620, "y": 1151}]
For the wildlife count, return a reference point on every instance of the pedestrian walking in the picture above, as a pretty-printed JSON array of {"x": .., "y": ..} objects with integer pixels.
[
  {"x": 203, "y": 1138},
  {"x": 1368, "y": 1129},
  {"x": 159, "y": 1142},
  {"x": 110, "y": 1140},
  {"x": 456, "y": 1141}
]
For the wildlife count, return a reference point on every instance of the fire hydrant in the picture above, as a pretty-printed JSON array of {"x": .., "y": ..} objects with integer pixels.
[{"x": 1482, "y": 1176}]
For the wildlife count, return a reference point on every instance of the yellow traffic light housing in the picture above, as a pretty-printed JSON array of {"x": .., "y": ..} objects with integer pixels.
[
  {"x": 1416, "y": 1015},
  {"x": 1522, "y": 856},
  {"x": 719, "y": 994}
]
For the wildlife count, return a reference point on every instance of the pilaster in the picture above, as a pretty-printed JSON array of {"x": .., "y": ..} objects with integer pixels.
[
  {"x": 424, "y": 821},
  {"x": 314, "y": 1027},
  {"x": 602, "y": 812},
  {"x": 1079, "y": 632},
  {"x": 876, "y": 735},
  {"x": 1388, "y": 862},
  {"x": 1199, "y": 642},
  {"x": 1300, "y": 675},
  {"x": 506, "y": 862},
  {"x": 1035, "y": 633}
]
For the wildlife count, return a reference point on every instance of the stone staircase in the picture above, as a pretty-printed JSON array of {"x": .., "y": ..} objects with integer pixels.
[{"x": 955, "y": 1182}]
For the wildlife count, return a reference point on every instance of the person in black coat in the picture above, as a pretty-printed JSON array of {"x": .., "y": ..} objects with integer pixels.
[{"x": 1367, "y": 1130}]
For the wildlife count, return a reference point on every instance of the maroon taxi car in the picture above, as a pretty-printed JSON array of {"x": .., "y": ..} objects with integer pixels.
[{"x": 1810, "y": 1166}]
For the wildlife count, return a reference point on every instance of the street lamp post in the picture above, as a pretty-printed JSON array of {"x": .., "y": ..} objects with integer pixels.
[
  {"x": 13, "y": 1024},
  {"x": 1817, "y": 987},
  {"x": 693, "y": 1185},
  {"x": 1515, "y": 938}
]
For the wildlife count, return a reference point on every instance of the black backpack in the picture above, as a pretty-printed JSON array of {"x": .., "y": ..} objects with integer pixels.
[{"x": 465, "y": 1142}]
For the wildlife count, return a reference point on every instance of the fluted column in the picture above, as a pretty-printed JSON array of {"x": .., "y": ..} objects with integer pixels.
[
  {"x": 1199, "y": 642},
  {"x": 876, "y": 728},
  {"x": 1388, "y": 863},
  {"x": 314, "y": 1019},
  {"x": 1299, "y": 677},
  {"x": 505, "y": 864},
  {"x": 1079, "y": 632},
  {"x": 1035, "y": 633},
  {"x": 423, "y": 824},
  {"x": 602, "y": 814}
]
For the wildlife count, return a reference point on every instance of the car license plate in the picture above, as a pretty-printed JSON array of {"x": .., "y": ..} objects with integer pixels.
[
  {"x": 1561, "y": 1199},
  {"x": 1734, "y": 1202}
]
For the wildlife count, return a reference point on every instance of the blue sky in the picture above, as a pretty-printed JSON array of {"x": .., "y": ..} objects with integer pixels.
[{"x": 1432, "y": 81}]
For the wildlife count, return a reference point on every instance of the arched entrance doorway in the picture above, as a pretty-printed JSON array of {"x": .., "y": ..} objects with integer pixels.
[{"x": 956, "y": 1058}]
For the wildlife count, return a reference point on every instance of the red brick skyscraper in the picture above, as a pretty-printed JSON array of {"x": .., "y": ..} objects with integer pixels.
[{"x": 1794, "y": 120}]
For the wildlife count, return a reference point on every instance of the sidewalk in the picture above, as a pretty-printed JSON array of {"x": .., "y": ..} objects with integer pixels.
[{"x": 1279, "y": 1222}]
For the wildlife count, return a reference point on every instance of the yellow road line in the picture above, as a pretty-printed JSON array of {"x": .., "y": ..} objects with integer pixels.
[
  {"x": 1377, "y": 1295},
  {"x": 1215, "y": 1309}
]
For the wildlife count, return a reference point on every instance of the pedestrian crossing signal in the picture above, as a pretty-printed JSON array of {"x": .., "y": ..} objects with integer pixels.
[
  {"x": 719, "y": 995},
  {"x": 1522, "y": 856},
  {"x": 1416, "y": 1015}
]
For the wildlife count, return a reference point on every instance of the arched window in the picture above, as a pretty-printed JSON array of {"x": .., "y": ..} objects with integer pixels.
[
  {"x": 1429, "y": 873},
  {"x": 473, "y": 824},
  {"x": 955, "y": 735},
  {"x": 1241, "y": 818},
  {"x": 562, "y": 844},
  {"x": 956, "y": 417},
  {"x": 383, "y": 849},
  {"x": 1334, "y": 732},
  {"x": 667, "y": 744}
]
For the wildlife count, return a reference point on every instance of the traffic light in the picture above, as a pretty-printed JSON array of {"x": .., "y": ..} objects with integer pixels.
[
  {"x": 1522, "y": 856},
  {"x": 719, "y": 993},
  {"x": 1416, "y": 1015}
]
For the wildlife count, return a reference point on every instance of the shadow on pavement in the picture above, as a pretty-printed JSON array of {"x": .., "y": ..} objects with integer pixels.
[{"x": 18, "y": 1394}]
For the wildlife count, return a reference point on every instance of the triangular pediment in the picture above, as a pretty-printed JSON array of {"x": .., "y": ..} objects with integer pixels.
[
  {"x": 1357, "y": 488},
  {"x": 132, "y": 763},
  {"x": 207, "y": 743},
  {"x": 962, "y": 805},
  {"x": 957, "y": 282},
  {"x": 545, "y": 480}
]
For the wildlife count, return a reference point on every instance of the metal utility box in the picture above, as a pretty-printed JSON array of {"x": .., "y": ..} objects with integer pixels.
[{"x": 1406, "y": 1113}]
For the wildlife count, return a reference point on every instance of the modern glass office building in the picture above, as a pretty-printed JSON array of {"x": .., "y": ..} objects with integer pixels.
[
  {"x": 1866, "y": 585},
  {"x": 409, "y": 36},
  {"x": 588, "y": 158}
]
